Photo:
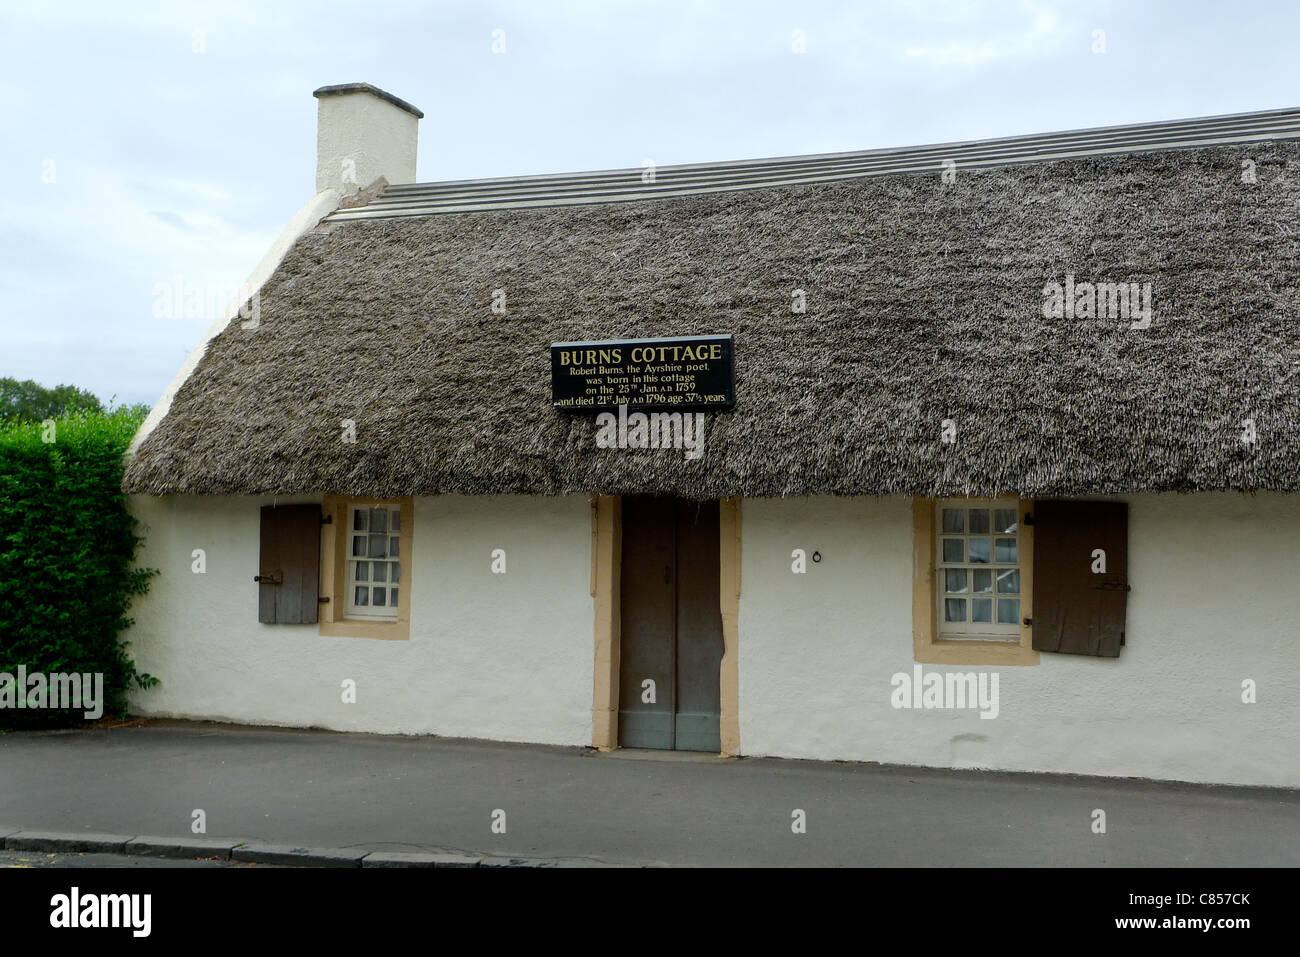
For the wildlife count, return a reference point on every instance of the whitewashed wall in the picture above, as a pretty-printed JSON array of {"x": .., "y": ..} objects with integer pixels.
[
  {"x": 1215, "y": 600},
  {"x": 506, "y": 657},
  {"x": 510, "y": 657}
]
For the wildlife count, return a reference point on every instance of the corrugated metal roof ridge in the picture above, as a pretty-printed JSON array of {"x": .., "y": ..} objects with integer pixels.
[{"x": 625, "y": 185}]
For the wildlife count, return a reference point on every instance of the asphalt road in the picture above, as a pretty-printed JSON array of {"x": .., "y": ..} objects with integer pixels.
[{"x": 375, "y": 792}]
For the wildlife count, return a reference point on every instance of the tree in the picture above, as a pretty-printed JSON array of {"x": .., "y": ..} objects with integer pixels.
[{"x": 29, "y": 401}]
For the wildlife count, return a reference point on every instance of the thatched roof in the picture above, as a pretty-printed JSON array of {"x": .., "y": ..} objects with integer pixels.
[{"x": 924, "y": 303}]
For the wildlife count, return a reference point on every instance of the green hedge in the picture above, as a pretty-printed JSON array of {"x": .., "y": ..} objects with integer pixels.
[{"x": 67, "y": 545}]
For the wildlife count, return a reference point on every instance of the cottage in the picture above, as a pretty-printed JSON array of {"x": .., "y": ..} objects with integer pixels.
[{"x": 907, "y": 459}]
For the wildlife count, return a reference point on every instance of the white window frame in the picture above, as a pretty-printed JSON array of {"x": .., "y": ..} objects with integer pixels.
[
  {"x": 392, "y": 563},
  {"x": 970, "y": 630}
]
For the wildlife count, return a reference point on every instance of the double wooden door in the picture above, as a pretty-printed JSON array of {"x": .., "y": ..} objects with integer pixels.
[{"x": 671, "y": 625}]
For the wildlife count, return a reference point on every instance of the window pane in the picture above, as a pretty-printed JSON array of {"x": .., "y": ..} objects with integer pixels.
[
  {"x": 1008, "y": 611},
  {"x": 954, "y": 609},
  {"x": 955, "y": 580},
  {"x": 362, "y": 596},
  {"x": 979, "y": 521},
  {"x": 395, "y": 521},
  {"x": 952, "y": 550},
  {"x": 397, "y": 571},
  {"x": 381, "y": 571},
  {"x": 392, "y": 546},
  {"x": 379, "y": 519},
  {"x": 359, "y": 545},
  {"x": 1009, "y": 581},
  {"x": 1004, "y": 550},
  {"x": 392, "y": 598},
  {"x": 363, "y": 571},
  {"x": 1005, "y": 520},
  {"x": 359, "y": 519},
  {"x": 983, "y": 579},
  {"x": 979, "y": 550},
  {"x": 953, "y": 520},
  {"x": 981, "y": 609},
  {"x": 378, "y": 546},
  {"x": 379, "y": 597}
]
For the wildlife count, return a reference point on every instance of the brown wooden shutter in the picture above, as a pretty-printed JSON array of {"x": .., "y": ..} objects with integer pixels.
[
  {"x": 289, "y": 568},
  {"x": 1076, "y": 610}
]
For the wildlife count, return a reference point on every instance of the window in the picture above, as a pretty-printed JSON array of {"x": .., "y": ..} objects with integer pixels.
[
  {"x": 978, "y": 570},
  {"x": 972, "y": 581},
  {"x": 374, "y": 567},
  {"x": 366, "y": 567},
  {"x": 997, "y": 581}
]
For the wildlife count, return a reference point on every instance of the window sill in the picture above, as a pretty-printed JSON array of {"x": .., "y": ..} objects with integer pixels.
[
  {"x": 965, "y": 651},
  {"x": 361, "y": 628}
]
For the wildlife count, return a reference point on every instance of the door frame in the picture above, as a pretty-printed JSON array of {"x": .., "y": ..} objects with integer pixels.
[{"x": 606, "y": 584}]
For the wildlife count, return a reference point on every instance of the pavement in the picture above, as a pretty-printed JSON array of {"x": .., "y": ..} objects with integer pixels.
[
  {"x": 575, "y": 806},
  {"x": 29, "y": 859}
]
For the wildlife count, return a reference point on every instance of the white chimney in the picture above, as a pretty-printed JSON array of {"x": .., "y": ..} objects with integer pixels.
[{"x": 363, "y": 133}]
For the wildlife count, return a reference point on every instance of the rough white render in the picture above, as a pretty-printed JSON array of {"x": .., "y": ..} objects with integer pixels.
[
  {"x": 506, "y": 657},
  {"x": 511, "y": 657},
  {"x": 1214, "y": 602},
  {"x": 360, "y": 137}
]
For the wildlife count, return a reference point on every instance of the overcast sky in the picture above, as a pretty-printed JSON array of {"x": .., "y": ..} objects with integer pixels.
[{"x": 145, "y": 142}]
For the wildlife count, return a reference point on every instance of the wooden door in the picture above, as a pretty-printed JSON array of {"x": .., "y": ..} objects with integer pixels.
[
  {"x": 671, "y": 625},
  {"x": 698, "y": 692},
  {"x": 648, "y": 599}
]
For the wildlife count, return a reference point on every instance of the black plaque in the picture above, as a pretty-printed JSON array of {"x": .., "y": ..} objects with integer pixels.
[{"x": 695, "y": 372}]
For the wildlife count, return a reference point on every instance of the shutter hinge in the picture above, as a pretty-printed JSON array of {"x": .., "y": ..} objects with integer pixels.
[
  {"x": 1029, "y": 518},
  {"x": 275, "y": 579},
  {"x": 323, "y": 601},
  {"x": 1029, "y": 622},
  {"x": 327, "y": 519}
]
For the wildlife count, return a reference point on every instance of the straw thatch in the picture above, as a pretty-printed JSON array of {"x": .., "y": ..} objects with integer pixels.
[{"x": 924, "y": 304}]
